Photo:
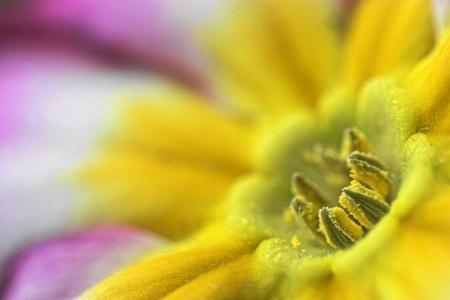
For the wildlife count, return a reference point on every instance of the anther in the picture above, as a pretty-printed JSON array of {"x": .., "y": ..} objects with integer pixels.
[
  {"x": 337, "y": 227},
  {"x": 307, "y": 202},
  {"x": 363, "y": 169},
  {"x": 369, "y": 158},
  {"x": 328, "y": 158},
  {"x": 361, "y": 204},
  {"x": 364, "y": 204},
  {"x": 354, "y": 140},
  {"x": 306, "y": 213},
  {"x": 303, "y": 188}
]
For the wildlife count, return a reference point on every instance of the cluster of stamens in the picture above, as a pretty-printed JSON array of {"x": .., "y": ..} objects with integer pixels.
[{"x": 362, "y": 203}]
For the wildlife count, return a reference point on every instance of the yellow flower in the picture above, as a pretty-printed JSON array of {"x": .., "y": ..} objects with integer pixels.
[{"x": 313, "y": 96}]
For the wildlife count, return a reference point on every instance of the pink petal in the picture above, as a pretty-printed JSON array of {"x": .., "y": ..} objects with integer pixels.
[
  {"x": 441, "y": 10},
  {"x": 22, "y": 64},
  {"x": 54, "y": 100},
  {"x": 62, "y": 66},
  {"x": 64, "y": 267},
  {"x": 137, "y": 33}
]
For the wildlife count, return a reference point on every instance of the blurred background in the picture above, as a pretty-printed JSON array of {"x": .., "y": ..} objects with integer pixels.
[{"x": 63, "y": 65}]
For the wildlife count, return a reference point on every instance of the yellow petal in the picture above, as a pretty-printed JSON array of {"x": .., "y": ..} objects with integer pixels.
[
  {"x": 273, "y": 57},
  {"x": 280, "y": 149},
  {"x": 176, "y": 123},
  {"x": 159, "y": 277},
  {"x": 172, "y": 198},
  {"x": 430, "y": 84},
  {"x": 395, "y": 260},
  {"x": 334, "y": 288},
  {"x": 386, "y": 37},
  {"x": 300, "y": 274},
  {"x": 423, "y": 243},
  {"x": 256, "y": 206},
  {"x": 384, "y": 114},
  {"x": 410, "y": 261},
  {"x": 169, "y": 166},
  {"x": 238, "y": 280},
  {"x": 336, "y": 113},
  {"x": 405, "y": 258}
]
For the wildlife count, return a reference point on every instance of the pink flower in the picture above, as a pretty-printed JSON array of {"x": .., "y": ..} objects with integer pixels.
[
  {"x": 62, "y": 267},
  {"x": 62, "y": 65}
]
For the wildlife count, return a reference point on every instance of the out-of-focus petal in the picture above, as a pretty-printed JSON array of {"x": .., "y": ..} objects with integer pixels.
[
  {"x": 348, "y": 5},
  {"x": 62, "y": 64},
  {"x": 22, "y": 66},
  {"x": 170, "y": 163},
  {"x": 161, "y": 276},
  {"x": 64, "y": 267},
  {"x": 274, "y": 57},
  {"x": 56, "y": 100},
  {"x": 441, "y": 15},
  {"x": 387, "y": 38},
  {"x": 429, "y": 84},
  {"x": 140, "y": 34}
]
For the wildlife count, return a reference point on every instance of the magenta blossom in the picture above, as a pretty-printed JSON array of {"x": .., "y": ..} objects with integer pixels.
[{"x": 62, "y": 66}]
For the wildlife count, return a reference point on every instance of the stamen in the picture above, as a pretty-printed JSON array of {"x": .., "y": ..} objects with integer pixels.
[
  {"x": 303, "y": 188},
  {"x": 361, "y": 204},
  {"x": 307, "y": 213},
  {"x": 354, "y": 140},
  {"x": 307, "y": 202},
  {"x": 328, "y": 158},
  {"x": 331, "y": 161},
  {"x": 337, "y": 227},
  {"x": 365, "y": 205},
  {"x": 369, "y": 158},
  {"x": 362, "y": 169}
]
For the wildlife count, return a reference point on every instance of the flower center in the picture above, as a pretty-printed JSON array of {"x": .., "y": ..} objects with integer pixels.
[{"x": 361, "y": 204}]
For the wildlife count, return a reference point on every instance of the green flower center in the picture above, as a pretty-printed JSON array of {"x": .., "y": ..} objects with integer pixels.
[{"x": 361, "y": 204}]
